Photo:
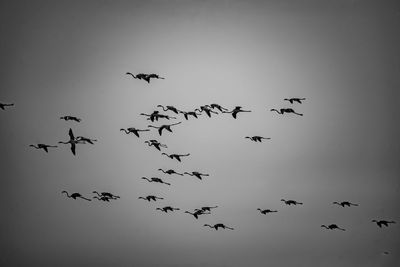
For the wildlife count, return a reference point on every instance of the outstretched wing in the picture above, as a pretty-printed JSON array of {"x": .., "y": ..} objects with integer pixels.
[{"x": 71, "y": 134}]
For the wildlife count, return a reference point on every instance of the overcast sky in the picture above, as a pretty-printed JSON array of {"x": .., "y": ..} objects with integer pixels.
[{"x": 70, "y": 58}]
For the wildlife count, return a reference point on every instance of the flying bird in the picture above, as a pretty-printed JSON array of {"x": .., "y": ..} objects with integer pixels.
[
  {"x": 75, "y": 195},
  {"x": 345, "y": 203},
  {"x": 383, "y": 222},
  {"x": 266, "y": 211},
  {"x": 42, "y": 146},
  {"x": 206, "y": 109},
  {"x": 3, "y": 105},
  {"x": 133, "y": 130},
  {"x": 291, "y": 202},
  {"x": 165, "y": 126},
  {"x": 70, "y": 118},
  {"x": 106, "y": 194},
  {"x": 85, "y": 140},
  {"x": 196, "y": 213},
  {"x": 333, "y": 227},
  {"x": 167, "y": 208},
  {"x": 206, "y": 208},
  {"x": 156, "y": 144},
  {"x": 294, "y": 99},
  {"x": 186, "y": 114},
  {"x": 235, "y": 111},
  {"x": 146, "y": 77},
  {"x": 103, "y": 198},
  {"x": 197, "y": 174},
  {"x": 219, "y": 225},
  {"x": 257, "y": 138},
  {"x": 175, "y": 156},
  {"x": 155, "y": 180},
  {"x": 286, "y": 110},
  {"x": 216, "y": 106},
  {"x": 171, "y": 108},
  {"x": 170, "y": 171},
  {"x": 149, "y": 198},
  {"x": 72, "y": 141}
]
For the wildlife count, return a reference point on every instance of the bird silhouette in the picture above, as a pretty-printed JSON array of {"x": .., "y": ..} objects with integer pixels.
[
  {"x": 383, "y": 222},
  {"x": 171, "y": 108},
  {"x": 286, "y": 110},
  {"x": 156, "y": 144},
  {"x": 291, "y": 202},
  {"x": 70, "y": 118},
  {"x": 72, "y": 141},
  {"x": 333, "y": 227},
  {"x": 85, "y": 140},
  {"x": 167, "y": 208},
  {"x": 196, "y": 213},
  {"x": 134, "y": 131},
  {"x": 206, "y": 109},
  {"x": 42, "y": 146},
  {"x": 236, "y": 111},
  {"x": 294, "y": 99},
  {"x": 345, "y": 203},
  {"x": 146, "y": 77},
  {"x": 170, "y": 171},
  {"x": 155, "y": 180},
  {"x": 154, "y": 116},
  {"x": 75, "y": 195},
  {"x": 103, "y": 198},
  {"x": 206, "y": 208},
  {"x": 106, "y": 194},
  {"x": 257, "y": 138},
  {"x": 216, "y": 106},
  {"x": 164, "y": 127},
  {"x": 219, "y": 225},
  {"x": 149, "y": 198},
  {"x": 266, "y": 211},
  {"x": 175, "y": 156},
  {"x": 197, "y": 174},
  {"x": 3, "y": 105},
  {"x": 186, "y": 114}
]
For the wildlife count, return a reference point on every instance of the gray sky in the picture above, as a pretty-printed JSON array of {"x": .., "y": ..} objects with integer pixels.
[{"x": 70, "y": 58}]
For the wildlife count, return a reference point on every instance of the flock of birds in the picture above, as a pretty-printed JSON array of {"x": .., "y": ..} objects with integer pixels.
[{"x": 155, "y": 116}]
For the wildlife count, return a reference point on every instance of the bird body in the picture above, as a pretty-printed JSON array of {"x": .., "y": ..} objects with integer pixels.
[
  {"x": 70, "y": 118},
  {"x": 156, "y": 144},
  {"x": 133, "y": 130},
  {"x": 345, "y": 203},
  {"x": 219, "y": 225},
  {"x": 149, "y": 198},
  {"x": 333, "y": 227},
  {"x": 170, "y": 171},
  {"x": 175, "y": 156},
  {"x": 106, "y": 194},
  {"x": 146, "y": 77},
  {"x": 167, "y": 208},
  {"x": 155, "y": 180},
  {"x": 257, "y": 138},
  {"x": 291, "y": 202},
  {"x": 75, "y": 195},
  {"x": 286, "y": 110},
  {"x": 266, "y": 211},
  {"x": 383, "y": 222},
  {"x": 197, "y": 174}
]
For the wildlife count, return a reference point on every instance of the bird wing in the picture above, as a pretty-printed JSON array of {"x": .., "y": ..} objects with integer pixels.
[
  {"x": 136, "y": 133},
  {"x": 71, "y": 134},
  {"x": 73, "y": 146},
  {"x": 45, "y": 149}
]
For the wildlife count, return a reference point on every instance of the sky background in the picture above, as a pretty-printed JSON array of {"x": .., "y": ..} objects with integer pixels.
[{"x": 70, "y": 58}]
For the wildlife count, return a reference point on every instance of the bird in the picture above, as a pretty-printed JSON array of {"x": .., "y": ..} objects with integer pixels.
[
  {"x": 155, "y": 180},
  {"x": 206, "y": 109},
  {"x": 133, "y": 130},
  {"x": 140, "y": 76},
  {"x": 286, "y": 110},
  {"x": 165, "y": 126},
  {"x": 235, "y": 111},
  {"x": 197, "y": 174},
  {"x": 345, "y": 203},
  {"x": 170, "y": 171},
  {"x": 154, "y": 76},
  {"x": 175, "y": 156},
  {"x": 42, "y": 146},
  {"x": 332, "y": 227},
  {"x": 154, "y": 116},
  {"x": 72, "y": 141},
  {"x": 186, "y": 114},
  {"x": 149, "y": 198},
  {"x": 257, "y": 138},
  {"x": 75, "y": 195},
  {"x": 196, "y": 213},
  {"x": 216, "y": 106},
  {"x": 160, "y": 116},
  {"x": 266, "y": 211},
  {"x": 219, "y": 225},
  {"x": 383, "y": 222},
  {"x": 156, "y": 144},
  {"x": 3, "y": 105},
  {"x": 70, "y": 118},
  {"x": 106, "y": 194},
  {"x": 85, "y": 140},
  {"x": 207, "y": 208},
  {"x": 171, "y": 108},
  {"x": 291, "y": 202},
  {"x": 103, "y": 198},
  {"x": 294, "y": 99},
  {"x": 167, "y": 208}
]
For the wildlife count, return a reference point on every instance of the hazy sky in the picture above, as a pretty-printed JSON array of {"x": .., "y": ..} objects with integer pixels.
[{"x": 70, "y": 58}]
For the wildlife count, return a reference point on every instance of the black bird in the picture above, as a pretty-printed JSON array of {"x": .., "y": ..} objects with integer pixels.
[
  {"x": 170, "y": 171},
  {"x": 70, "y": 118},
  {"x": 175, "y": 156},
  {"x": 140, "y": 76},
  {"x": 171, "y": 108},
  {"x": 103, "y": 198},
  {"x": 197, "y": 174},
  {"x": 156, "y": 144},
  {"x": 155, "y": 180},
  {"x": 154, "y": 76},
  {"x": 106, "y": 194},
  {"x": 42, "y": 146},
  {"x": 75, "y": 195},
  {"x": 206, "y": 208},
  {"x": 286, "y": 110},
  {"x": 85, "y": 140},
  {"x": 186, "y": 114},
  {"x": 72, "y": 141},
  {"x": 216, "y": 106},
  {"x": 333, "y": 227},
  {"x": 167, "y": 208},
  {"x": 149, "y": 198},
  {"x": 219, "y": 225},
  {"x": 165, "y": 126},
  {"x": 134, "y": 131},
  {"x": 235, "y": 111},
  {"x": 154, "y": 116},
  {"x": 3, "y": 105},
  {"x": 345, "y": 203},
  {"x": 257, "y": 138},
  {"x": 291, "y": 202},
  {"x": 266, "y": 211},
  {"x": 196, "y": 213},
  {"x": 206, "y": 109},
  {"x": 383, "y": 222},
  {"x": 294, "y": 99}
]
